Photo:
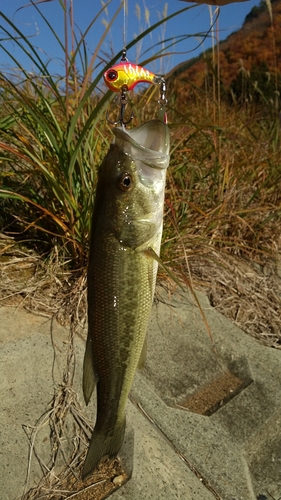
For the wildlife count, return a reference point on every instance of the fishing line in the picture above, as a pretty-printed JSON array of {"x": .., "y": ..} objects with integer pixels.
[{"x": 125, "y": 7}]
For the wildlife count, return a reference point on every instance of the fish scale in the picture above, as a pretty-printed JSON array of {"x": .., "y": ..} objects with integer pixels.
[{"x": 126, "y": 227}]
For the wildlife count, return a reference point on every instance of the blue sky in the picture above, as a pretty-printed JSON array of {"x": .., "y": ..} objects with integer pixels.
[{"x": 194, "y": 22}]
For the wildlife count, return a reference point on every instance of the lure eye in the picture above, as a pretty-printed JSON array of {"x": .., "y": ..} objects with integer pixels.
[
  {"x": 112, "y": 75},
  {"x": 125, "y": 182}
]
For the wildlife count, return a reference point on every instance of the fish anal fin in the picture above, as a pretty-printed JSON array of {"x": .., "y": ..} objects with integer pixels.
[{"x": 89, "y": 377}]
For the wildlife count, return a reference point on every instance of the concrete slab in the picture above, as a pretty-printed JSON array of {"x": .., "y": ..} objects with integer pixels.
[
  {"x": 234, "y": 454},
  {"x": 158, "y": 471},
  {"x": 30, "y": 372},
  {"x": 237, "y": 449}
]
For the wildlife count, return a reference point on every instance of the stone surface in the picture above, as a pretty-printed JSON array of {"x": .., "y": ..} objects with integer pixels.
[{"x": 173, "y": 453}]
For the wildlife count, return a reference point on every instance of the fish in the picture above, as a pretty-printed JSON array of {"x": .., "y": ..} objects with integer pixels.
[
  {"x": 128, "y": 75},
  {"x": 125, "y": 241}
]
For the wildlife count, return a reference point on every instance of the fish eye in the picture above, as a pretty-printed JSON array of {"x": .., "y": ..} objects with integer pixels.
[
  {"x": 125, "y": 182},
  {"x": 112, "y": 75}
]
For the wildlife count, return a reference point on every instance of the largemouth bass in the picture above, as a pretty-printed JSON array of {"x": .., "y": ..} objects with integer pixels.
[{"x": 125, "y": 238}]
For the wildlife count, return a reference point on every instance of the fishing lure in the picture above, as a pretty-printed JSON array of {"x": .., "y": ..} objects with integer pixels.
[{"x": 124, "y": 76}]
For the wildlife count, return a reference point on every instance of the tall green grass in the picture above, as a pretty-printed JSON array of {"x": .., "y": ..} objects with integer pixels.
[
  {"x": 223, "y": 182},
  {"x": 53, "y": 134}
]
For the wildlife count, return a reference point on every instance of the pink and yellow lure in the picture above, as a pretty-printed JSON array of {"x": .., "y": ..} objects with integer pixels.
[{"x": 126, "y": 75}]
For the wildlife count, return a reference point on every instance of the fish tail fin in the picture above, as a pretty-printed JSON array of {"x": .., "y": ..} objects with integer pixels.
[{"x": 103, "y": 443}]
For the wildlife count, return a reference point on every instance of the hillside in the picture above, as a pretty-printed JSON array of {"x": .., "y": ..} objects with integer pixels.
[{"x": 253, "y": 52}]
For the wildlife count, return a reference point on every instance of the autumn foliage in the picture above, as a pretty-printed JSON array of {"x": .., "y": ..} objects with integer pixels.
[{"x": 249, "y": 58}]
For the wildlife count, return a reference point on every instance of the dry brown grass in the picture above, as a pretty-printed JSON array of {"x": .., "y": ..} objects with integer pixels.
[
  {"x": 221, "y": 229},
  {"x": 223, "y": 212},
  {"x": 222, "y": 223}
]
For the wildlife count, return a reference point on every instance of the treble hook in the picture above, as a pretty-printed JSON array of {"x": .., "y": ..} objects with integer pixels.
[{"x": 123, "y": 104}]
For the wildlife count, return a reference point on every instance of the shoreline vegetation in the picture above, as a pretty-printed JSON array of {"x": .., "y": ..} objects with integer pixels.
[
  {"x": 222, "y": 203},
  {"x": 222, "y": 214}
]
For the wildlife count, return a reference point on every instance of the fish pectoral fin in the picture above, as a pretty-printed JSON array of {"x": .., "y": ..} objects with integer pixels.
[
  {"x": 89, "y": 377},
  {"x": 151, "y": 253},
  {"x": 142, "y": 359}
]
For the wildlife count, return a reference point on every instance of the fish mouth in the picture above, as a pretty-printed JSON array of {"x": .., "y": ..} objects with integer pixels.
[{"x": 148, "y": 143}]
